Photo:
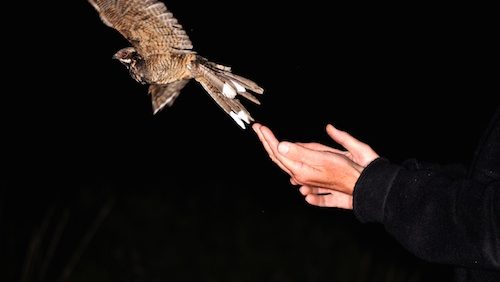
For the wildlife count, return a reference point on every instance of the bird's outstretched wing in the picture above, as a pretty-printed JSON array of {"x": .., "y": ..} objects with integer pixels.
[
  {"x": 164, "y": 95},
  {"x": 147, "y": 24}
]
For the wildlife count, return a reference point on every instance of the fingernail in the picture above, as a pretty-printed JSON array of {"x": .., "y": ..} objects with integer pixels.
[{"x": 283, "y": 147}]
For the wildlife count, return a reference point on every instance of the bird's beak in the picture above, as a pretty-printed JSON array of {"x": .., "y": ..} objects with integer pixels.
[{"x": 115, "y": 57}]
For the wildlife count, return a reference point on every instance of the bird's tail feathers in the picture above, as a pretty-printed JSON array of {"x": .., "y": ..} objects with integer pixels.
[{"x": 224, "y": 87}]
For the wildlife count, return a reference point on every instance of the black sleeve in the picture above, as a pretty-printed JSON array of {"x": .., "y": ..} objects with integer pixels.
[
  {"x": 433, "y": 213},
  {"x": 451, "y": 170}
]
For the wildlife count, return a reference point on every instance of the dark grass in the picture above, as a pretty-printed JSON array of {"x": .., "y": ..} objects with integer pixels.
[{"x": 155, "y": 235}]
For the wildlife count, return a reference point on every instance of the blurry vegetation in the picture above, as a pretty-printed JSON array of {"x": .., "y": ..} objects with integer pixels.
[{"x": 104, "y": 234}]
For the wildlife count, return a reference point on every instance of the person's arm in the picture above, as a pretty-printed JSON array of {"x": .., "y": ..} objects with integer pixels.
[
  {"x": 432, "y": 210},
  {"x": 437, "y": 217},
  {"x": 452, "y": 170}
]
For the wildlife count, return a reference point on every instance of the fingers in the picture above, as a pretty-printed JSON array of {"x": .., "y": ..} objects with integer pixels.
[
  {"x": 361, "y": 152},
  {"x": 343, "y": 138},
  {"x": 267, "y": 146},
  {"x": 272, "y": 146},
  {"x": 321, "y": 147},
  {"x": 333, "y": 199},
  {"x": 278, "y": 149},
  {"x": 256, "y": 127},
  {"x": 297, "y": 154},
  {"x": 302, "y": 158},
  {"x": 306, "y": 166},
  {"x": 306, "y": 190}
]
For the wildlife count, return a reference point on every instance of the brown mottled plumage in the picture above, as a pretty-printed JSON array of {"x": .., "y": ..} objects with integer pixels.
[{"x": 162, "y": 57}]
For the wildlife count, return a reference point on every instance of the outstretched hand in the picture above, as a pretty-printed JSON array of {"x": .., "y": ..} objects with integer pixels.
[{"x": 327, "y": 176}]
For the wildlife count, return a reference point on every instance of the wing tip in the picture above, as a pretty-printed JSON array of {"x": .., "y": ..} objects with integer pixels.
[{"x": 94, "y": 4}]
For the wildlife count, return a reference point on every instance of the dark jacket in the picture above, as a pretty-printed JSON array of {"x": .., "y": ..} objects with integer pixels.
[{"x": 442, "y": 214}]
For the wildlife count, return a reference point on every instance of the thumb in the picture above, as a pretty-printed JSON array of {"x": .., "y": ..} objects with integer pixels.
[
  {"x": 298, "y": 153},
  {"x": 362, "y": 153},
  {"x": 345, "y": 139}
]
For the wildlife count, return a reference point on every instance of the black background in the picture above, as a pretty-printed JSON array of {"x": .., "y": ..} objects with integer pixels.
[{"x": 99, "y": 189}]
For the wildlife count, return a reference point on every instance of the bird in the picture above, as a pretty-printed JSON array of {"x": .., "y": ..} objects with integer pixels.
[{"x": 162, "y": 57}]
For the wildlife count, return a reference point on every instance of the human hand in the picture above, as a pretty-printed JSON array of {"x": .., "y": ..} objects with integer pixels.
[
  {"x": 357, "y": 151},
  {"x": 323, "y": 197},
  {"x": 327, "y": 175},
  {"x": 313, "y": 165}
]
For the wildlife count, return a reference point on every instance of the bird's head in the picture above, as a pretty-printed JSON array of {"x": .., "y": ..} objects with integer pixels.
[
  {"x": 133, "y": 61},
  {"x": 127, "y": 56}
]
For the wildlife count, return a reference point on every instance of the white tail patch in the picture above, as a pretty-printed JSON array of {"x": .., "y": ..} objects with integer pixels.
[
  {"x": 228, "y": 91},
  {"x": 238, "y": 86},
  {"x": 244, "y": 116},
  {"x": 237, "y": 118}
]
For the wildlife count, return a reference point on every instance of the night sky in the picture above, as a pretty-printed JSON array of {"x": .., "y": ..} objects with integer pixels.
[{"x": 102, "y": 190}]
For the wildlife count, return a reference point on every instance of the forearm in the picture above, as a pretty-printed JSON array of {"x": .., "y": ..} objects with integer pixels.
[{"x": 436, "y": 217}]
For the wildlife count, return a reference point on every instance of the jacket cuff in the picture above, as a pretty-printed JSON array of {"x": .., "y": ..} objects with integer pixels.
[{"x": 372, "y": 188}]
